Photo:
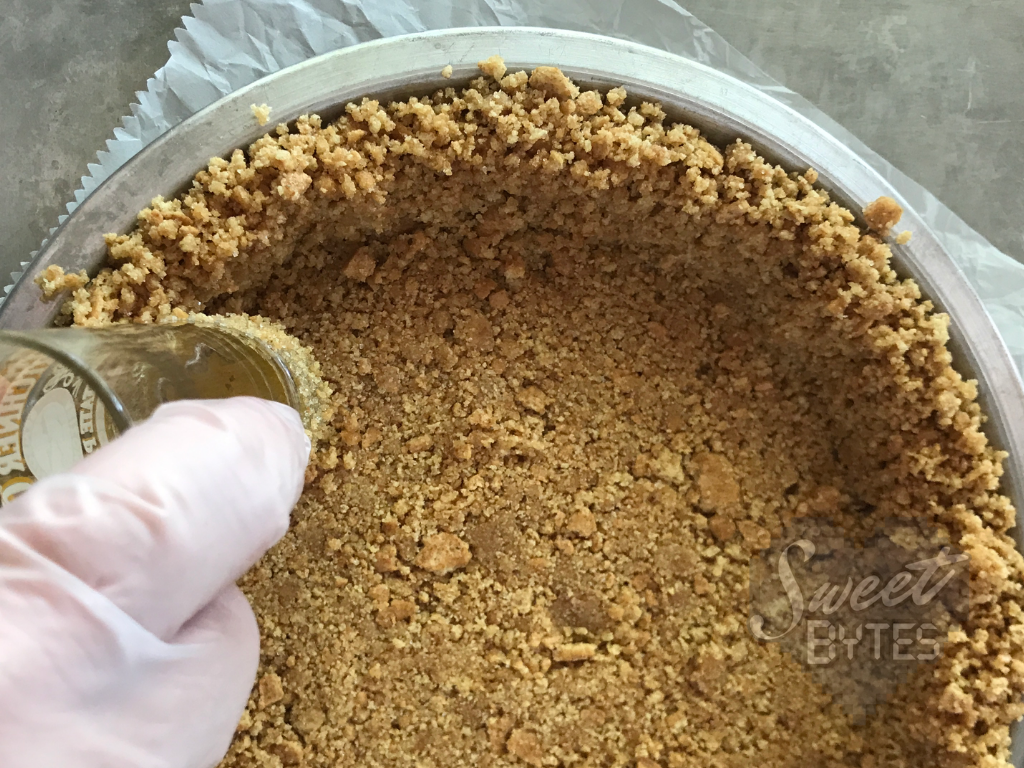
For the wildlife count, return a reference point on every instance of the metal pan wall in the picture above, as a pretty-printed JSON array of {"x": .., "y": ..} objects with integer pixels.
[{"x": 720, "y": 106}]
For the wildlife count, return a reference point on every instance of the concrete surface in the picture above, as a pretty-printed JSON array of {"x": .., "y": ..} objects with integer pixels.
[{"x": 933, "y": 85}]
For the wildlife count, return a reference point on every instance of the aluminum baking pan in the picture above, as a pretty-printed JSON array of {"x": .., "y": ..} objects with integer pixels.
[{"x": 722, "y": 107}]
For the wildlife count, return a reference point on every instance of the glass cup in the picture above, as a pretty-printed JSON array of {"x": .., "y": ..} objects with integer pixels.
[{"x": 64, "y": 392}]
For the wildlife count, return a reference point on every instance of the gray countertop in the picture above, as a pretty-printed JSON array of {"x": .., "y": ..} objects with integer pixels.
[{"x": 932, "y": 85}]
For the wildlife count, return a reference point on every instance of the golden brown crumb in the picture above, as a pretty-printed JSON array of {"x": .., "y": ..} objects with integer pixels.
[
  {"x": 526, "y": 746},
  {"x": 443, "y": 552},
  {"x": 584, "y": 364},
  {"x": 360, "y": 266},
  {"x": 54, "y": 280},
  {"x": 493, "y": 67},
  {"x": 553, "y": 83},
  {"x": 446, "y": 71},
  {"x": 499, "y": 299},
  {"x": 753, "y": 534},
  {"x": 721, "y": 527},
  {"x": 532, "y": 398},
  {"x": 582, "y": 522},
  {"x": 270, "y": 689},
  {"x": 717, "y": 481},
  {"x": 574, "y": 652},
  {"x": 291, "y": 186},
  {"x": 883, "y": 214},
  {"x": 288, "y": 752},
  {"x": 421, "y": 443},
  {"x": 261, "y": 113},
  {"x": 904, "y": 237}
]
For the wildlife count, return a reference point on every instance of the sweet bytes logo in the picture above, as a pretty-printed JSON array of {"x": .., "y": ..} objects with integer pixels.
[{"x": 858, "y": 611}]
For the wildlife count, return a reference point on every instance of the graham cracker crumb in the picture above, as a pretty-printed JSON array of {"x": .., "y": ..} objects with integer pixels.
[
  {"x": 360, "y": 266},
  {"x": 719, "y": 349},
  {"x": 574, "y": 652},
  {"x": 722, "y": 527},
  {"x": 261, "y": 113},
  {"x": 553, "y": 83},
  {"x": 526, "y": 746},
  {"x": 288, "y": 752},
  {"x": 54, "y": 280},
  {"x": 270, "y": 689},
  {"x": 717, "y": 482},
  {"x": 582, "y": 522},
  {"x": 419, "y": 444},
  {"x": 493, "y": 67},
  {"x": 883, "y": 214},
  {"x": 442, "y": 553},
  {"x": 446, "y": 71},
  {"x": 532, "y": 398}
]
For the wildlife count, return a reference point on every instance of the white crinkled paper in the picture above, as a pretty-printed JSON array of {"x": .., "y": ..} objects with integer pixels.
[{"x": 227, "y": 44}]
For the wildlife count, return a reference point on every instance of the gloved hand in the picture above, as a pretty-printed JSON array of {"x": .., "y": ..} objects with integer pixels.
[{"x": 123, "y": 638}]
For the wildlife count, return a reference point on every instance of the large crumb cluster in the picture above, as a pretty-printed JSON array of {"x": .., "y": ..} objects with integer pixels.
[
  {"x": 585, "y": 365},
  {"x": 883, "y": 214},
  {"x": 261, "y": 113}
]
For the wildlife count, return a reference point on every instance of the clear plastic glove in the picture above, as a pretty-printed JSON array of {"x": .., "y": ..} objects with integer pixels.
[{"x": 123, "y": 638}]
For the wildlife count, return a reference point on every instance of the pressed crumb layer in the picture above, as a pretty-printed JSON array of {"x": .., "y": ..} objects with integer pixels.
[{"x": 585, "y": 364}]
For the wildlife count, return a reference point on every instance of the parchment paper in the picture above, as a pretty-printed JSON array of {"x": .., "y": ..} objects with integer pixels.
[{"x": 227, "y": 44}]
